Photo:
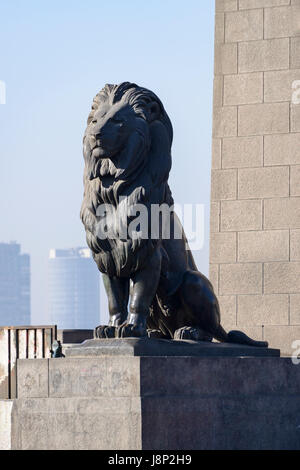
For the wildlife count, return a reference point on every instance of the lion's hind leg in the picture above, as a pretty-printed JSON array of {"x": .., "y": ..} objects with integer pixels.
[{"x": 200, "y": 308}]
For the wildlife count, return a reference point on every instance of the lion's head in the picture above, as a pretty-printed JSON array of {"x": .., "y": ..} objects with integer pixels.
[
  {"x": 119, "y": 129},
  {"x": 127, "y": 152}
]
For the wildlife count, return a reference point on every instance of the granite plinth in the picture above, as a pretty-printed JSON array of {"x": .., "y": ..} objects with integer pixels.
[
  {"x": 162, "y": 347},
  {"x": 133, "y": 402}
]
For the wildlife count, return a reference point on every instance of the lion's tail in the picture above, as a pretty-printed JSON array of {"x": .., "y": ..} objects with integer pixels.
[{"x": 237, "y": 337}]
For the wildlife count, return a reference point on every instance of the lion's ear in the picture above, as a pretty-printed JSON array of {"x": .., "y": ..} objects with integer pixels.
[{"x": 153, "y": 110}]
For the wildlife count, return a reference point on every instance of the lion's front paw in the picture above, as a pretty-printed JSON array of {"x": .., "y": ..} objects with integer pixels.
[
  {"x": 134, "y": 327},
  {"x": 128, "y": 330},
  {"x": 105, "y": 331},
  {"x": 192, "y": 333}
]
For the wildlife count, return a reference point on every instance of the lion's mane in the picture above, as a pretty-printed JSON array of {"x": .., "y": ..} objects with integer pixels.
[{"x": 141, "y": 178}]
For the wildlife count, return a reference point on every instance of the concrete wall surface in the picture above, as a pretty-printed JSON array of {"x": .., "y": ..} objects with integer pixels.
[
  {"x": 154, "y": 403},
  {"x": 255, "y": 186}
]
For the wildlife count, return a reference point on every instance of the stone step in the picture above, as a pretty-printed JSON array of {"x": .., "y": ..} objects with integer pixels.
[{"x": 162, "y": 347}]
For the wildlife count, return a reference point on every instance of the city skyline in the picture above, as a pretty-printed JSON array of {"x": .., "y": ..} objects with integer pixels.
[
  {"x": 84, "y": 304},
  {"x": 73, "y": 288},
  {"x": 15, "y": 291}
]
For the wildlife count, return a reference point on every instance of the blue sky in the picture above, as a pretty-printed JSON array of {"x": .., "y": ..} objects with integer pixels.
[{"x": 55, "y": 56}]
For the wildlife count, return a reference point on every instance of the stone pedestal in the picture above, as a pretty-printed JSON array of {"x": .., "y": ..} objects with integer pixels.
[
  {"x": 141, "y": 401},
  {"x": 162, "y": 347}
]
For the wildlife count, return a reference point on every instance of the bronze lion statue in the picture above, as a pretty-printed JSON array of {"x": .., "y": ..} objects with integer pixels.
[{"x": 127, "y": 153}]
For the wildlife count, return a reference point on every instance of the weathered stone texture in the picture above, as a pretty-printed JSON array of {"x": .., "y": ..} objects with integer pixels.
[
  {"x": 244, "y": 25},
  {"x": 226, "y": 5},
  {"x": 279, "y": 22},
  {"x": 225, "y": 121},
  {"x": 258, "y": 56},
  {"x": 282, "y": 213},
  {"x": 94, "y": 377},
  {"x": 6, "y": 433},
  {"x": 214, "y": 276},
  {"x": 278, "y": 86},
  {"x": 223, "y": 247},
  {"x": 282, "y": 149},
  {"x": 32, "y": 378},
  {"x": 226, "y": 59},
  {"x": 240, "y": 278},
  {"x": 243, "y": 152},
  {"x": 260, "y": 119},
  {"x": 295, "y": 118},
  {"x": 218, "y": 91},
  {"x": 258, "y": 200},
  {"x": 268, "y": 245},
  {"x": 295, "y": 309},
  {"x": 243, "y": 88},
  {"x": 247, "y": 4},
  {"x": 216, "y": 154},
  {"x": 282, "y": 277},
  {"x": 215, "y": 217},
  {"x": 224, "y": 184},
  {"x": 263, "y": 309},
  {"x": 229, "y": 309},
  {"x": 254, "y": 399},
  {"x": 295, "y": 180},
  {"x": 241, "y": 215},
  {"x": 219, "y": 28},
  {"x": 295, "y": 245},
  {"x": 255, "y": 183},
  {"x": 295, "y": 53},
  {"x": 283, "y": 337}
]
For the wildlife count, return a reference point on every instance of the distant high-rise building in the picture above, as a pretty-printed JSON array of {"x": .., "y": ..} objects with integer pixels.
[
  {"x": 14, "y": 285},
  {"x": 73, "y": 289}
]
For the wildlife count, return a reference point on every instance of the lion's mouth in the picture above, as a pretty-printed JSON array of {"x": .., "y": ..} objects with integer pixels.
[
  {"x": 100, "y": 148},
  {"x": 107, "y": 168},
  {"x": 103, "y": 168},
  {"x": 97, "y": 147}
]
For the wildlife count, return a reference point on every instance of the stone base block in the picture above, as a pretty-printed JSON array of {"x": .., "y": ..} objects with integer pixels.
[
  {"x": 163, "y": 347},
  {"x": 157, "y": 403}
]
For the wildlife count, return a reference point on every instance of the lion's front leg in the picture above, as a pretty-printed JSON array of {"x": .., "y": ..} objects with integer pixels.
[
  {"x": 117, "y": 290},
  {"x": 144, "y": 288}
]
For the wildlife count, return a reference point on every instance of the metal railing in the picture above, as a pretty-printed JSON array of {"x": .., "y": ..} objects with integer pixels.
[{"x": 21, "y": 342}]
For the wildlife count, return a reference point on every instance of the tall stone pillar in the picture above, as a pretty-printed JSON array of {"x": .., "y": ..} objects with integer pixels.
[{"x": 255, "y": 187}]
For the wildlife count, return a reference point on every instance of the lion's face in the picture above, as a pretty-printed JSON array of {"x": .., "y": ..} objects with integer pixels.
[{"x": 110, "y": 128}]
